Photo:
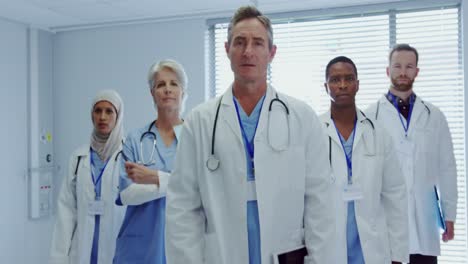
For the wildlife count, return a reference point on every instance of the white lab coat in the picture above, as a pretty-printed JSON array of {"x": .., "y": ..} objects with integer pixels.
[
  {"x": 427, "y": 160},
  {"x": 206, "y": 213},
  {"x": 73, "y": 233},
  {"x": 382, "y": 213}
]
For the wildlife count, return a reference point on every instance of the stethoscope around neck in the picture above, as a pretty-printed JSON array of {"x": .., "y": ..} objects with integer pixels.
[
  {"x": 366, "y": 119},
  {"x": 425, "y": 106},
  {"x": 151, "y": 161},
  {"x": 150, "y": 134},
  {"x": 212, "y": 163}
]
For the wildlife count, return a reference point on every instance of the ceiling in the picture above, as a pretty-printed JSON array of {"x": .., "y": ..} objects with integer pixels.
[{"x": 63, "y": 15}]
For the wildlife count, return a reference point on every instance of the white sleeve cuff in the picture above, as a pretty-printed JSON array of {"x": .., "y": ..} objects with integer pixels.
[
  {"x": 136, "y": 194},
  {"x": 163, "y": 181}
]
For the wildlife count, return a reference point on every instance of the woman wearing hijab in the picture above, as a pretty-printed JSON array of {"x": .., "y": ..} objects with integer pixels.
[
  {"x": 87, "y": 218},
  {"x": 149, "y": 153}
]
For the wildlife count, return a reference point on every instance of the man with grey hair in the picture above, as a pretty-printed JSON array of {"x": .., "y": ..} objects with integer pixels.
[{"x": 251, "y": 183}]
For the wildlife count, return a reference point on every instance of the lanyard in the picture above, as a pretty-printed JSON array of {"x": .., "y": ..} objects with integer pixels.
[
  {"x": 411, "y": 105},
  {"x": 348, "y": 158},
  {"x": 96, "y": 181},
  {"x": 248, "y": 143}
]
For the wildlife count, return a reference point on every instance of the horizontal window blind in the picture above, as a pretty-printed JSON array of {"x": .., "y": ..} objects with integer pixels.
[
  {"x": 223, "y": 75},
  {"x": 436, "y": 35},
  {"x": 306, "y": 45},
  {"x": 305, "y": 48}
]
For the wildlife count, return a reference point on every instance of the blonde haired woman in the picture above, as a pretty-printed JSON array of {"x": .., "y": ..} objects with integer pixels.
[{"x": 149, "y": 153}]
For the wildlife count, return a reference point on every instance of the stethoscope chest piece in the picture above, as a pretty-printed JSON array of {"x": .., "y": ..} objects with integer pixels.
[{"x": 212, "y": 163}]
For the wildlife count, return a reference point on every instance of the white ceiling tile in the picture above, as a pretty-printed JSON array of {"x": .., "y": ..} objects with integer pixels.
[
  {"x": 153, "y": 8},
  {"x": 63, "y": 13},
  {"x": 30, "y": 14},
  {"x": 284, "y": 5},
  {"x": 54, "y": 4},
  {"x": 96, "y": 12}
]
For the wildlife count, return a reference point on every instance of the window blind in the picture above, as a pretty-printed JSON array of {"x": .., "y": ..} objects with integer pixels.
[
  {"x": 436, "y": 35},
  {"x": 305, "y": 45}
]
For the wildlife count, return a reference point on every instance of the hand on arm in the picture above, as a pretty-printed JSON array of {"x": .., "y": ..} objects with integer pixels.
[{"x": 141, "y": 174}]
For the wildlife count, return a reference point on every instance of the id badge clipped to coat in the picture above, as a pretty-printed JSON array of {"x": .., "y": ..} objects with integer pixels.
[
  {"x": 96, "y": 207},
  {"x": 352, "y": 192}
]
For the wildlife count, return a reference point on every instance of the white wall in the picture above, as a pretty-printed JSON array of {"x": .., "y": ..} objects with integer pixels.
[
  {"x": 119, "y": 58},
  {"x": 71, "y": 68},
  {"x": 13, "y": 72},
  {"x": 21, "y": 240}
]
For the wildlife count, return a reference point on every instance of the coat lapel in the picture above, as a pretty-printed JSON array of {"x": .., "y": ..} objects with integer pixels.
[
  {"x": 418, "y": 110},
  {"x": 330, "y": 128},
  {"x": 263, "y": 120},
  {"x": 84, "y": 170},
  {"x": 360, "y": 128},
  {"x": 229, "y": 115}
]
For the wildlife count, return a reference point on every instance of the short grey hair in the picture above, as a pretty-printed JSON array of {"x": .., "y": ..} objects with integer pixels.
[
  {"x": 246, "y": 12},
  {"x": 176, "y": 68},
  {"x": 171, "y": 65}
]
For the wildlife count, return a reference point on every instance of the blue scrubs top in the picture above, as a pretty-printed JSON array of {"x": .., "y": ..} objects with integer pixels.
[
  {"x": 249, "y": 124},
  {"x": 141, "y": 237},
  {"x": 97, "y": 167},
  {"x": 354, "y": 248}
]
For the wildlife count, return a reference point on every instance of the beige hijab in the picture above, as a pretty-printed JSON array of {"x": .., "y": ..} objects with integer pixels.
[{"x": 106, "y": 146}]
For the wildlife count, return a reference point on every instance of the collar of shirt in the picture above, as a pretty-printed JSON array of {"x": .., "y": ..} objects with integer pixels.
[{"x": 403, "y": 106}]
